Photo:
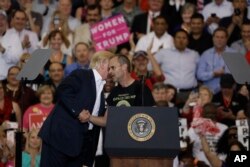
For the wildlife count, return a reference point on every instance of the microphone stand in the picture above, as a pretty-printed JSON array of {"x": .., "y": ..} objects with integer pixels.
[
  {"x": 19, "y": 132},
  {"x": 142, "y": 89}
]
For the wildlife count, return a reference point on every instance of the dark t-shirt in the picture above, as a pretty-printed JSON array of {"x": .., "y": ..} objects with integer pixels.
[
  {"x": 237, "y": 103},
  {"x": 202, "y": 44},
  {"x": 130, "y": 96}
]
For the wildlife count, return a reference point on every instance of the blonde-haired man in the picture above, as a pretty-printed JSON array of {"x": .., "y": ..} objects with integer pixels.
[{"x": 69, "y": 137}]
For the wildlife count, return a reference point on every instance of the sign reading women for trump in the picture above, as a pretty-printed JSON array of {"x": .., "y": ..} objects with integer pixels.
[{"x": 110, "y": 32}]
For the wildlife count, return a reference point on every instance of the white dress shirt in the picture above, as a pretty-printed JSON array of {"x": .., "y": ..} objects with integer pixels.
[
  {"x": 179, "y": 68},
  {"x": 11, "y": 56},
  {"x": 99, "y": 86},
  {"x": 225, "y": 9},
  {"x": 33, "y": 38},
  {"x": 164, "y": 42}
]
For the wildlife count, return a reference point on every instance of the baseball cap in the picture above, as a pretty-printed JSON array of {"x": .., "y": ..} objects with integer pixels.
[
  {"x": 2, "y": 12},
  {"x": 140, "y": 53},
  {"x": 227, "y": 81}
]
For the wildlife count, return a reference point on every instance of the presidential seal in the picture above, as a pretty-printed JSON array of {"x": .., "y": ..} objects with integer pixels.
[{"x": 141, "y": 127}]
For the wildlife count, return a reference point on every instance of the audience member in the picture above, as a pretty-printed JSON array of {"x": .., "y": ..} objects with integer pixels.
[
  {"x": 141, "y": 72},
  {"x": 93, "y": 16},
  {"x": 214, "y": 159},
  {"x": 129, "y": 10},
  {"x": 193, "y": 107},
  {"x": 9, "y": 110},
  {"x": 142, "y": 23},
  {"x": 216, "y": 10},
  {"x": 187, "y": 11},
  {"x": 59, "y": 23},
  {"x": 179, "y": 65},
  {"x": 159, "y": 38},
  {"x": 55, "y": 41},
  {"x": 228, "y": 101},
  {"x": 27, "y": 39},
  {"x": 34, "y": 19},
  {"x": 199, "y": 39},
  {"x": 209, "y": 112},
  {"x": 32, "y": 153},
  {"x": 240, "y": 45},
  {"x": 44, "y": 7},
  {"x": 82, "y": 56},
  {"x": 234, "y": 22},
  {"x": 9, "y": 49},
  {"x": 45, "y": 94},
  {"x": 106, "y": 8},
  {"x": 64, "y": 6},
  {"x": 211, "y": 65},
  {"x": 56, "y": 74},
  {"x": 159, "y": 92},
  {"x": 81, "y": 9},
  {"x": 17, "y": 91}
]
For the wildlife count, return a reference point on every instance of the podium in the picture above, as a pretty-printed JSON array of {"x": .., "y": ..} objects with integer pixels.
[{"x": 142, "y": 136}]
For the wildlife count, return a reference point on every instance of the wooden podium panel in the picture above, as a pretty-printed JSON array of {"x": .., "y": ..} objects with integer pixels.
[{"x": 140, "y": 162}]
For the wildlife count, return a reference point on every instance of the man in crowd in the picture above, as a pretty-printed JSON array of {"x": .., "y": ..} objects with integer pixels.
[
  {"x": 179, "y": 65},
  {"x": 9, "y": 49},
  {"x": 27, "y": 39},
  {"x": 159, "y": 38},
  {"x": 142, "y": 23},
  {"x": 199, "y": 39},
  {"x": 82, "y": 58},
  {"x": 211, "y": 65},
  {"x": 93, "y": 16}
]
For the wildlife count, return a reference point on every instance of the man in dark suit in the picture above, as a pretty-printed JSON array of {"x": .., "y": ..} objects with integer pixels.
[
  {"x": 142, "y": 23},
  {"x": 70, "y": 134}
]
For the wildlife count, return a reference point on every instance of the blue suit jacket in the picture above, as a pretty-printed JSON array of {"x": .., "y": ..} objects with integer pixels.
[{"x": 62, "y": 129}]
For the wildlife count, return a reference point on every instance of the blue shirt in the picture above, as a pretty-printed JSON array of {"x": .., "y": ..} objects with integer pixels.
[
  {"x": 26, "y": 159},
  {"x": 178, "y": 67},
  {"x": 73, "y": 67},
  {"x": 211, "y": 61}
]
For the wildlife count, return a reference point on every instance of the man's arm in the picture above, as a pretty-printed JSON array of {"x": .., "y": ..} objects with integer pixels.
[{"x": 99, "y": 120}]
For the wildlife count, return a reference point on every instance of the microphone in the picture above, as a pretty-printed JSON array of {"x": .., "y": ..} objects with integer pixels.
[{"x": 142, "y": 78}]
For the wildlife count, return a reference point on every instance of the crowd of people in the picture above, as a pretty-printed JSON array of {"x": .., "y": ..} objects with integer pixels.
[{"x": 173, "y": 58}]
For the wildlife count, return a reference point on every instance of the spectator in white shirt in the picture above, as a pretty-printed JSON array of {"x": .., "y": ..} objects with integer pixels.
[
  {"x": 65, "y": 7},
  {"x": 9, "y": 47},
  {"x": 27, "y": 39},
  {"x": 160, "y": 37},
  {"x": 216, "y": 10}
]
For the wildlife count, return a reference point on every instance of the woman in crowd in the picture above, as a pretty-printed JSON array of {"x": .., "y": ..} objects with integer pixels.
[
  {"x": 59, "y": 23},
  {"x": 45, "y": 94},
  {"x": 186, "y": 13},
  {"x": 8, "y": 108},
  {"x": 55, "y": 41},
  {"x": 17, "y": 91},
  {"x": 214, "y": 160},
  {"x": 31, "y": 155},
  {"x": 193, "y": 106},
  {"x": 223, "y": 145}
]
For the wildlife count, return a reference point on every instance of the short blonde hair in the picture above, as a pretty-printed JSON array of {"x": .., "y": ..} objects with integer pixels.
[
  {"x": 100, "y": 57},
  {"x": 210, "y": 93},
  {"x": 43, "y": 88}
]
